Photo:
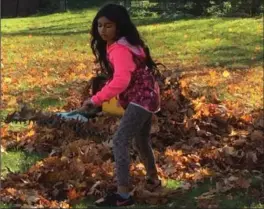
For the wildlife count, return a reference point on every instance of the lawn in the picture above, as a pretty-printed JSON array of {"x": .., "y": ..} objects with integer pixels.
[
  {"x": 209, "y": 41},
  {"x": 45, "y": 57}
]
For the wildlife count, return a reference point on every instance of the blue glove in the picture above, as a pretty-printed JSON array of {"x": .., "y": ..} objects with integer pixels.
[{"x": 76, "y": 115}]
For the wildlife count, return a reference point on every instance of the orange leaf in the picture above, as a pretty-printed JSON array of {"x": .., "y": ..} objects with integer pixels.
[
  {"x": 4, "y": 88},
  {"x": 246, "y": 118},
  {"x": 12, "y": 191},
  {"x": 212, "y": 73},
  {"x": 46, "y": 74},
  {"x": 183, "y": 83},
  {"x": 72, "y": 194},
  {"x": 31, "y": 133}
]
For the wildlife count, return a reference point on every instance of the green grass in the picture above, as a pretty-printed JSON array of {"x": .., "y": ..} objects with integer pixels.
[
  {"x": 237, "y": 199},
  {"x": 214, "y": 41},
  {"x": 16, "y": 127},
  {"x": 46, "y": 102},
  {"x": 5, "y": 206},
  {"x": 3, "y": 114},
  {"x": 18, "y": 161}
]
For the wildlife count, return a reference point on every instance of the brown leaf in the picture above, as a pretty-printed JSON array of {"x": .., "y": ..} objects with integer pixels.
[
  {"x": 94, "y": 190},
  {"x": 194, "y": 140},
  {"x": 31, "y": 196},
  {"x": 233, "y": 178},
  {"x": 186, "y": 147},
  {"x": 186, "y": 186},
  {"x": 25, "y": 206},
  {"x": 155, "y": 125},
  {"x": 259, "y": 122},
  {"x": 198, "y": 176},
  {"x": 229, "y": 151},
  {"x": 207, "y": 200},
  {"x": 64, "y": 159},
  {"x": 257, "y": 135},
  {"x": 240, "y": 142},
  {"x": 243, "y": 183},
  {"x": 221, "y": 187},
  {"x": 252, "y": 157}
]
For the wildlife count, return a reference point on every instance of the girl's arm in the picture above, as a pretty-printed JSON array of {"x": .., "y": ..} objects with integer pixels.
[{"x": 123, "y": 65}]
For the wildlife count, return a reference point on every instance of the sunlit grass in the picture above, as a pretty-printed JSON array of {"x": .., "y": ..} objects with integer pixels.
[{"x": 216, "y": 41}]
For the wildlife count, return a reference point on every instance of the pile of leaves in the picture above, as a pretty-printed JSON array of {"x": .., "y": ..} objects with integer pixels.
[{"x": 193, "y": 140}]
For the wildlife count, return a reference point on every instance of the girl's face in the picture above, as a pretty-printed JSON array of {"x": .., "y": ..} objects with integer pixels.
[{"x": 107, "y": 30}]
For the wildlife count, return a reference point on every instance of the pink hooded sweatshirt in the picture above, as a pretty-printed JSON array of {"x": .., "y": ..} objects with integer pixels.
[{"x": 131, "y": 83}]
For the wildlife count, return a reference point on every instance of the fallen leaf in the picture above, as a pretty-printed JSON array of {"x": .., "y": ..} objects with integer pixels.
[
  {"x": 3, "y": 150},
  {"x": 226, "y": 74},
  {"x": 239, "y": 142},
  {"x": 12, "y": 101},
  {"x": 12, "y": 191},
  {"x": 243, "y": 183},
  {"x": 72, "y": 194},
  {"x": 252, "y": 157},
  {"x": 228, "y": 151},
  {"x": 257, "y": 135},
  {"x": 233, "y": 178}
]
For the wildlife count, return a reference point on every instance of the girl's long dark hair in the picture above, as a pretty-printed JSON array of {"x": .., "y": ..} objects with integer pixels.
[{"x": 125, "y": 27}]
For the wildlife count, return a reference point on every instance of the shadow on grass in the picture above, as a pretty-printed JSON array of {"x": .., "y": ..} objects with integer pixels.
[
  {"x": 68, "y": 29},
  {"x": 82, "y": 27},
  {"x": 233, "y": 56},
  {"x": 236, "y": 199}
]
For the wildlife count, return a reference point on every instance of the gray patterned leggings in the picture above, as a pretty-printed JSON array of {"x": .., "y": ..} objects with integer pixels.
[{"x": 135, "y": 124}]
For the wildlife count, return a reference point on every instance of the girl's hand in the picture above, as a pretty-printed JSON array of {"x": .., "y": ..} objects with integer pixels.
[{"x": 86, "y": 104}]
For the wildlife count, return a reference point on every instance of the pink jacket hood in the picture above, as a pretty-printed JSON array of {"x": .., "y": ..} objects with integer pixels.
[{"x": 123, "y": 42}]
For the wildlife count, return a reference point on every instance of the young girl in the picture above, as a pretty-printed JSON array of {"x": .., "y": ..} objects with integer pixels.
[{"x": 126, "y": 60}]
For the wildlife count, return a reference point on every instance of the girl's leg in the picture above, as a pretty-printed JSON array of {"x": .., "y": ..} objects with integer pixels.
[
  {"x": 133, "y": 121},
  {"x": 143, "y": 146}
]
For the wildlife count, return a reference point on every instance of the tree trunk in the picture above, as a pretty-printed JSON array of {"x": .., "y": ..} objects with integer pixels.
[
  {"x": 255, "y": 7},
  {"x": 17, "y": 6},
  {"x": 198, "y": 9},
  {"x": 9, "y": 8},
  {"x": 127, "y": 3},
  {"x": 27, "y": 7},
  {"x": 63, "y": 5},
  {"x": 163, "y": 5}
]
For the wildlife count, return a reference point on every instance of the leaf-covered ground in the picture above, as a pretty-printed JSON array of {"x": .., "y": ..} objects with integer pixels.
[{"x": 209, "y": 147}]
